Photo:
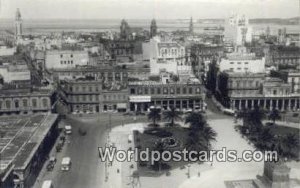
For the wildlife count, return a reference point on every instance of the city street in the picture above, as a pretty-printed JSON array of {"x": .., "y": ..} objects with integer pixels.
[{"x": 86, "y": 169}]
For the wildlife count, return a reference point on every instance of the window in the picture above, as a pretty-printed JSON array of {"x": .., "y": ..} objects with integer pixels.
[
  {"x": 16, "y": 104},
  {"x": 91, "y": 97},
  {"x": 165, "y": 90},
  {"x": 158, "y": 91},
  {"x": 274, "y": 92},
  {"x": 34, "y": 103},
  {"x": 146, "y": 91},
  {"x": 231, "y": 62},
  {"x": 171, "y": 90},
  {"x": 140, "y": 91},
  {"x": 190, "y": 90},
  {"x": 197, "y": 90},
  {"x": 71, "y": 55},
  {"x": 231, "y": 69},
  {"x": 83, "y": 88},
  {"x": 246, "y": 63},
  {"x": 152, "y": 91},
  {"x": 178, "y": 90},
  {"x": 76, "y": 98},
  {"x": 90, "y": 89},
  {"x": 25, "y": 103},
  {"x": 239, "y": 68},
  {"x": 184, "y": 90},
  {"x": 61, "y": 62},
  {"x": 71, "y": 62},
  {"x": 7, "y": 104},
  {"x": 45, "y": 102},
  {"x": 239, "y": 63},
  {"x": 132, "y": 91},
  {"x": 61, "y": 55},
  {"x": 83, "y": 97}
]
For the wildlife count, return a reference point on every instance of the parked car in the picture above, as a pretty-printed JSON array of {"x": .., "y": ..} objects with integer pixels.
[{"x": 51, "y": 163}]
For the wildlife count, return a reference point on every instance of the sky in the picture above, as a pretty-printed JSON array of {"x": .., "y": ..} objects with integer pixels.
[{"x": 148, "y": 9}]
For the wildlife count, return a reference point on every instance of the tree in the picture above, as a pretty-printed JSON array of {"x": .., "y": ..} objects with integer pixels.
[
  {"x": 171, "y": 116},
  {"x": 196, "y": 121},
  {"x": 209, "y": 135},
  {"x": 290, "y": 143},
  {"x": 154, "y": 116},
  {"x": 274, "y": 115},
  {"x": 265, "y": 139}
]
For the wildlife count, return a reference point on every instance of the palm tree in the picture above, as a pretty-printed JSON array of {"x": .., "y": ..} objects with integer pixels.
[
  {"x": 195, "y": 142},
  {"x": 209, "y": 135},
  {"x": 154, "y": 116},
  {"x": 196, "y": 121},
  {"x": 274, "y": 115},
  {"x": 171, "y": 116}
]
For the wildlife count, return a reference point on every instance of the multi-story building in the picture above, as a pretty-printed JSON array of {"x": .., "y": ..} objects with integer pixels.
[
  {"x": 242, "y": 62},
  {"x": 202, "y": 55},
  {"x": 282, "y": 56},
  {"x": 58, "y": 59},
  {"x": 166, "y": 56},
  {"x": 247, "y": 90},
  {"x": 82, "y": 94},
  {"x": 25, "y": 100},
  {"x": 15, "y": 72},
  {"x": 237, "y": 30},
  {"x": 146, "y": 94},
  {"x": 92, "y": 95}
]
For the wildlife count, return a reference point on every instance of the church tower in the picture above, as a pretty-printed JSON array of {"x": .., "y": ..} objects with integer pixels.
[
  {"x": 124, "y": 30},
  {"x": 18, "y": 24},
  {"x": 153, "y": 29},
  {"x": 191, "y": 28}
]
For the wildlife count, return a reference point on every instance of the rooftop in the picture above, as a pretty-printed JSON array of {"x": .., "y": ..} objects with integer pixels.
[{"x": 20, "y": 137}]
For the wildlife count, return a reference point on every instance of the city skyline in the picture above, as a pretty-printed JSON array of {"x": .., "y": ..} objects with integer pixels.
[{"x": 147, "y": 9}]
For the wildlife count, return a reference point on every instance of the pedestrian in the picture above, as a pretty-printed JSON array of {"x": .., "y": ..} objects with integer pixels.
[
  {"x": 118, "y": 170},
  {"x": 198, "y": 174}
]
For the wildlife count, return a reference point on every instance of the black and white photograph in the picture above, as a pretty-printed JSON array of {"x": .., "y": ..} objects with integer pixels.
[{"x": 149, "y": 93}]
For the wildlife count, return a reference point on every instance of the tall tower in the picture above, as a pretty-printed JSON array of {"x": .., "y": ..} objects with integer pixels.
[
  {"x": 124, "y": 30},
  {"x": 153, "y": 28},
  {"x": 191, "y": 28},
  {"x": 18, "y": 24}
]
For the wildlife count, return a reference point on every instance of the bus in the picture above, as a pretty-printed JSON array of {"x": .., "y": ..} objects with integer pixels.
[
  {"x": 68, "y": 129},
  {"x": 47, "y": 184},
  {"x": 66, "y": 164}
]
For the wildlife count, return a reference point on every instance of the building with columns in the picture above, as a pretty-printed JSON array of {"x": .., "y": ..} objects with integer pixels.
[
  {"x": 245, "y": 91},
  {"x": 183, "y": 96}
]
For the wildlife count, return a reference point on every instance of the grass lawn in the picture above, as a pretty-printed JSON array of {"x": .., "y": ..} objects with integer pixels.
[
  {"x": 146, "y": 140},
  {"x": 282, "y": 130}
]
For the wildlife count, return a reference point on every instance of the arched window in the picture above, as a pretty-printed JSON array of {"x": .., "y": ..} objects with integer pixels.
[
  {"x": 45, "y": 102},
  {"x": 34, "y": 103},
  {"x": 17, "y": 104},
  {"x": 8, "y": 104},
  {"x": 25, "y": 102}
]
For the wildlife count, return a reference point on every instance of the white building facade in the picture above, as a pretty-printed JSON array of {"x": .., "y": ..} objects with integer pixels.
[
  {"x": 242, "y": 62},
  {"x": 166, "y": 57},
  {"x": 237, "y": 30},
  {"x": 65, "y": 59}
]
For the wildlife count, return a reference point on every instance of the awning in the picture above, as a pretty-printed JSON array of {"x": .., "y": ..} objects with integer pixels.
[
  {"x": 121, "y": 105},
  {"x": 139, "y": 99}
]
